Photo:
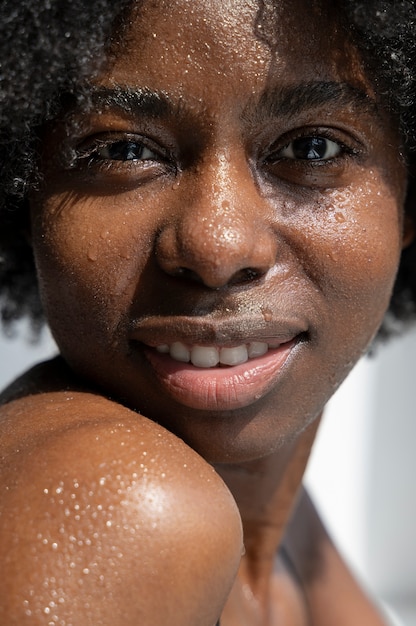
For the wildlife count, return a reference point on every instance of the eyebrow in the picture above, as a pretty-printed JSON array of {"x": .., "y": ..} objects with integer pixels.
[
  {"x": 282, "y": 101},
  {"x": 138, "y": 101},
  {"x": 293, "y": 100}
]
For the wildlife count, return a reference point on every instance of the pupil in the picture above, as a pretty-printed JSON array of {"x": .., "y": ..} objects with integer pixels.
[
  {"x": 310, "y": 148},
  {"x": 125, "y": 151}
]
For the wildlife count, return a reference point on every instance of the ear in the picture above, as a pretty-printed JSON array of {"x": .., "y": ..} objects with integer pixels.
[{"x": 409, "y": 221}]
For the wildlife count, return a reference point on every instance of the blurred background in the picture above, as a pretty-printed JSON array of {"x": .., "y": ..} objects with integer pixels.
[
  {"x": 362, "y": 471},
  {"x": 362, "y": 474}
]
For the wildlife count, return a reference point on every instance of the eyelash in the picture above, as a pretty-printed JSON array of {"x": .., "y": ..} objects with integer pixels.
[
  {"x": 136, "y": 159},
  {"x": 96, "y": 152},
  {"x": 341, "y": 148}
]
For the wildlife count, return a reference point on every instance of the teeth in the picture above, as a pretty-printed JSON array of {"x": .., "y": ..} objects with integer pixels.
[
  {"x": 257, "y": 348},
  {"x": 163, "y": 349},
  {"x": 180, "y": 352},
  {"x": 210, "y": 356},
  {"x": 233, "y": 356},
  {"x": 202, "y": 356}
]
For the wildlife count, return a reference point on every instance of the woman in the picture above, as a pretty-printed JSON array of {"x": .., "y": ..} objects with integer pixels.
[{"x": 216, "y": 199}]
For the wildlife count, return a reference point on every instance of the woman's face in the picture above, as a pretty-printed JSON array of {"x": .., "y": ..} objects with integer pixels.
[{"x": 223, "y": 248}]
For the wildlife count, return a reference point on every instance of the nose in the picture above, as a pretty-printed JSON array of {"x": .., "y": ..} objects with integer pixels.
[{"x": 218, "y": 234}]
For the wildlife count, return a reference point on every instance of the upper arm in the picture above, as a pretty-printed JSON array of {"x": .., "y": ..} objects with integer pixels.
[{"x": 105, "y": 518}]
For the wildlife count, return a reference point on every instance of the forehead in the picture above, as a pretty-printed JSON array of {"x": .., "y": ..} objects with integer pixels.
[{"x": 211, "y": 48}]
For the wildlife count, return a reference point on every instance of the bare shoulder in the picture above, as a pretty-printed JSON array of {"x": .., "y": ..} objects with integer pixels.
[
  {"x": 332, "y": 593},
  {"x": 107, "y": 518}
]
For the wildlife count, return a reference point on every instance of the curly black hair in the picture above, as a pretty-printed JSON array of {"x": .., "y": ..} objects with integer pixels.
[{"x": 49, "y": 47}]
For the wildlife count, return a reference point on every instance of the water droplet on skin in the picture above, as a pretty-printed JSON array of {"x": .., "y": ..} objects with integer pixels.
[
  {"x": 267, "y": 315},
  {"x": 340, "y": 218},
  {"x": 92, "y": 254}
]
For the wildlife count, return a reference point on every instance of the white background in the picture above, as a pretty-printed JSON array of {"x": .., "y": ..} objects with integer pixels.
[{"x": 363, "y": 467}]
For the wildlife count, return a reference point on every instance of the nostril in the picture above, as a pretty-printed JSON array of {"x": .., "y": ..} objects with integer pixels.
[
  {"x": 246, "y": 275},
  {"x": 187, "y": 274},
  {"x": 251, "y": 274}
]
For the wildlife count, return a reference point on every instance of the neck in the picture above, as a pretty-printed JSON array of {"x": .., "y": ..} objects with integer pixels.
[{"x": 266, "y": 491}]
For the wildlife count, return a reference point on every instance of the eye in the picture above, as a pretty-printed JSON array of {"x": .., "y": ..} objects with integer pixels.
[
  {"x": 117, "y": 148},
  {"x": 124, "y": 151},
  {"x": 314, "y": 157},
  {"x": 128, "y": 158},
  {"x": 311, "y": 149}
]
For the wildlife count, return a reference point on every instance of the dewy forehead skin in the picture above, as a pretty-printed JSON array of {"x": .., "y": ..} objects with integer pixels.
[
  {"x": 224, "y": 247},
  {"x": 229, "y": 23}
]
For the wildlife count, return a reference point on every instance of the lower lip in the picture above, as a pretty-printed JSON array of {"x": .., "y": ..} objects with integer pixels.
[{"x": 220, "y": 388}]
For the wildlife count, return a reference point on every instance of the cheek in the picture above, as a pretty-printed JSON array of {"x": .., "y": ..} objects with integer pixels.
[
  {"x": 368, "y": 240},
  {"x": 356, "y": 255},
  {"x": 89, "y": 258}
]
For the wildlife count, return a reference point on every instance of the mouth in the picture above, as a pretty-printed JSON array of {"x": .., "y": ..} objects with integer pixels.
[
  {"x": 199, "y": 380},
  {"x": 217, "y": 366},
  {"x": 213, "y": 356}
]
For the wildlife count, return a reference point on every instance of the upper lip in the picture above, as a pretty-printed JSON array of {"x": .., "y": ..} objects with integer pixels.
[{"x": 233, "y": 331}]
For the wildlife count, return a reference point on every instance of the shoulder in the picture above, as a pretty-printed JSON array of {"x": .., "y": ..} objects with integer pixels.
[
  {"x": 332, "y": 594},
  {"x": 97, "y": 502}
]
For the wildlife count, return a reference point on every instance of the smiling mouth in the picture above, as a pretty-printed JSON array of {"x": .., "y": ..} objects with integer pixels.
[
  {"x": 199, "y": 380},
  {"x": 218, "y": 365},
  {"x": 213, "y": 356}
]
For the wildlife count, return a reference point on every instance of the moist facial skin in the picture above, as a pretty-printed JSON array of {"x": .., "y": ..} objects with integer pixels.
[
  {"x": 223, "y": 193},
  {"x": 217, "y": 227}
]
